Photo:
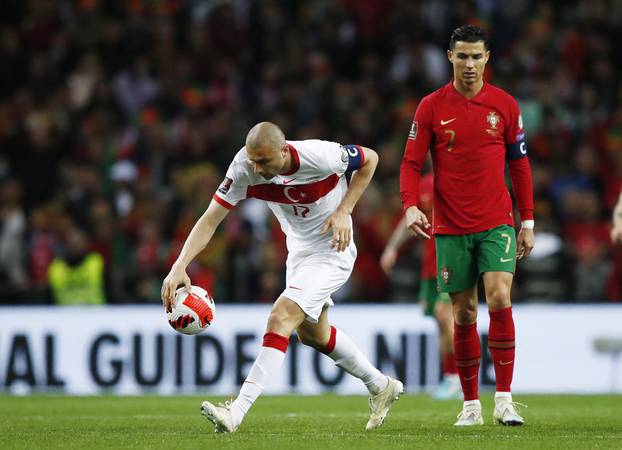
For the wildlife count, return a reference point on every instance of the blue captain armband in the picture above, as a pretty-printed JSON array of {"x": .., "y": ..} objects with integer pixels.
[
  {"x": 517, "y": 150},
  {"x": 353, "y": 155}
]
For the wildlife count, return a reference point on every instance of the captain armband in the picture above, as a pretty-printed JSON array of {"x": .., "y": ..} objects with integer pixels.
[{"x": 517, "y": 150}]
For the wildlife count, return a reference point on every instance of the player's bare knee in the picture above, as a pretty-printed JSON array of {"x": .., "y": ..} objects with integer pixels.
[
  {"x": 277, "y": 321},
  {"x": 498, "y": 299},
  {"x": 465, "y": 315}
]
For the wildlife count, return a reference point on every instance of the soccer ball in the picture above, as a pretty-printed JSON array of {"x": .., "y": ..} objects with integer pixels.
[{"x": 193, "y": 312}]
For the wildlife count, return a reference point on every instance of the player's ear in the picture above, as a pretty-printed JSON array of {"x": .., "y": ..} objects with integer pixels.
[
  {"x": 450, "y": 55},
  {"x": 487, "y": 55}
]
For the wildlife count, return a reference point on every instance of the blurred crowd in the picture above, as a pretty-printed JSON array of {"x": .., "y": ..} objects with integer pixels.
[{"x": 118, "y": 120}]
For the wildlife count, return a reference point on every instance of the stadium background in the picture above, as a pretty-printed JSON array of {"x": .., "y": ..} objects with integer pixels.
[{"x": 118, "y": 120}]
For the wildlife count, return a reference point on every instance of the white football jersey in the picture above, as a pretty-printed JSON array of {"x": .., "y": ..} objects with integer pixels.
[{"x": 301, "y": 199}]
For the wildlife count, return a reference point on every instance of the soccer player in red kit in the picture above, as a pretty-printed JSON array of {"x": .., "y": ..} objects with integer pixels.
[{"x": 472, "y": 129}]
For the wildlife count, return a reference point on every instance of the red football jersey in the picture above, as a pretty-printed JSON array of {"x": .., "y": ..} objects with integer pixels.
[{"x": 470, "y": 140}]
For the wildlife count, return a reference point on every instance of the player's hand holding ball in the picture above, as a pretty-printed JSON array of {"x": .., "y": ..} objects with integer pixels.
[
  {"x": 176, "y": 277},
  {"x": 193, "y": 311}
]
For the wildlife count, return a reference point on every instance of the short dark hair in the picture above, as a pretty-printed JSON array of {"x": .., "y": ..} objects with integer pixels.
[{"x": 468, "y": 33}]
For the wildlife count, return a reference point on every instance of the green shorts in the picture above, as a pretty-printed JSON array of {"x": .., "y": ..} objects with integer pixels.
[
  {"x": 461, "y": 259},
  {"x": 429, "y": 296}
]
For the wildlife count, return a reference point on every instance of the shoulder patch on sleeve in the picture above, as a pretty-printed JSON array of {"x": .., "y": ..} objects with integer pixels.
[
  {"x": 413, "y": 130},
  {"x": 225, "y": 185}
]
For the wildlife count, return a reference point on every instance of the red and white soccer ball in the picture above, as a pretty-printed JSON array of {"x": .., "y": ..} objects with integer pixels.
[{"x": 193, "y": 311}]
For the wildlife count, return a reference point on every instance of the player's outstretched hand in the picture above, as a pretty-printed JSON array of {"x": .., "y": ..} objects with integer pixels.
[
  {"x": 176, "y": 277},
  {"x": 417, "y": 223},
  {"x": 388, "y": 259},
  {"x": 524, "y": 243},
  {"x": 616, "y": 235},
  {"x": 339, "y": 221}
]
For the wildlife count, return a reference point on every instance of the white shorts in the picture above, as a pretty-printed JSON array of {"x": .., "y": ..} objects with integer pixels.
[{"x": 311, "y": 279}]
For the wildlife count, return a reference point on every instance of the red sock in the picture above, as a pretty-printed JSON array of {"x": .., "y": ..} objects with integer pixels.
[
  {"x": 449, "y": 364},
  {"x": 501, "y": 346},
  {"x": 468, "y": 353}
]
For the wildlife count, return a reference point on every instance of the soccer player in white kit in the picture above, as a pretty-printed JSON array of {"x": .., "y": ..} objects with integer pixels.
[{"x": 305, "y": 186}]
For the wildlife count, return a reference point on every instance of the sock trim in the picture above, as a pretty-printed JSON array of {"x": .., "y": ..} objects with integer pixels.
[
  {"x": 275, "y": 341},
  {"x": 330, "y": 345}
]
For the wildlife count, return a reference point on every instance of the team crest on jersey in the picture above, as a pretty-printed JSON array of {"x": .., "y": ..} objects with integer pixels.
[
  {"x": 225, "y": 185},
  {"x": 413, "y": 130},
  {"x": 446, "y": 274},
  {"x": 493, "y": 120}
]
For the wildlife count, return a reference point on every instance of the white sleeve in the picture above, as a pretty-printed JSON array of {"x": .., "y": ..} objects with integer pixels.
[
  {"x": 329, "y": 157},
  {"x": 234, "y": 187}
]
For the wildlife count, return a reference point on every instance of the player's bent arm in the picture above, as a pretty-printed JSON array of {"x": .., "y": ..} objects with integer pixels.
[
  {"x": 360, "y": 180},
  {"x": 201, "y": 233},
  {"x": 339, "y": 221},
  {"x": 196, "y": 241}
]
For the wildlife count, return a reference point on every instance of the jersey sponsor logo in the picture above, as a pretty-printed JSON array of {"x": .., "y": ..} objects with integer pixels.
[
  {"x": 446, "y": 274},
  {"x": 288, "y": 181},
  {"x": 445, "y": 122},
  {"x": 412, "y": 134},
  {"x": 225, "y": 185}
]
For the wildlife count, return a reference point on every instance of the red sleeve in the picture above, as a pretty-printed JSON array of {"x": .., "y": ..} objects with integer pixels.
[
  {"x": 520, "y": 173},
  {"x": 520, "y": 170},
  {"x": 417, "y": 146}
]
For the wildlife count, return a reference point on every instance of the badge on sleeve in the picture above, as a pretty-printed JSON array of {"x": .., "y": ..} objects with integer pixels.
[
  {"x": 413, "y": 130},
  {"x": 225, "y": 185}
]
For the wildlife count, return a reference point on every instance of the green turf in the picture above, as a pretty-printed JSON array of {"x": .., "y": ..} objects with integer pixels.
[{"x": 293, "y": 422}]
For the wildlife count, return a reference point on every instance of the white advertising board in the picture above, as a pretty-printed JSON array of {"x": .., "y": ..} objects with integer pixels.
[{"x": 130, "y": 350}]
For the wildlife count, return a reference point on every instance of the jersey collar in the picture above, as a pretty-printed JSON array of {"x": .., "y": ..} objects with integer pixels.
[
  {"x": 295, "y": 161},
  {"x": 478, "y": 97}
]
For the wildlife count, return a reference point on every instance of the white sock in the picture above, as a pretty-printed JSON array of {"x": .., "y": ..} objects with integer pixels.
[
  {"x": 348, "y": 356},
  {"x": 266, "y": 365},
  {"x": 503, "y": 397},
  {"x": 475, "y": 403}
]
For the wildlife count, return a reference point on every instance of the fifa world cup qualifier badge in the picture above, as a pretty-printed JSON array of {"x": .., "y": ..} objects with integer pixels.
[
  {"x": 225, "y": 185},
  {"x": 413, "y": 130},
  {"x": 446, "y": 274}
]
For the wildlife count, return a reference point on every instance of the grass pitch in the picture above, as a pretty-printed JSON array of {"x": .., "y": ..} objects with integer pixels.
[{"x": 298, "y": 422}]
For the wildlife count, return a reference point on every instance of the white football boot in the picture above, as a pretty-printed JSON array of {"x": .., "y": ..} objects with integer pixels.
[
  {"x": 506, "y": 412},
  {"x": 220, "y": 416},
  {"x": 380, "y": 403},
  {"x": 470, "y": 415}
]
